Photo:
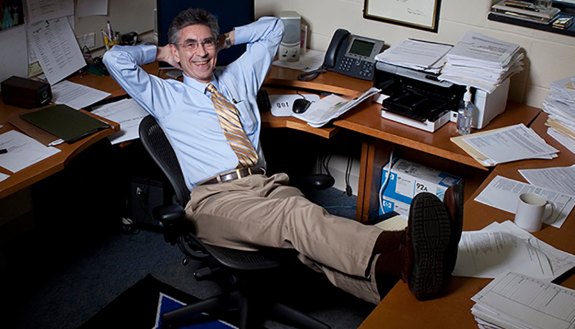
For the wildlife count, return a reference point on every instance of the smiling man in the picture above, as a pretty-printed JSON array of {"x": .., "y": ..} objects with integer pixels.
[{"x": 213, "y": 123}]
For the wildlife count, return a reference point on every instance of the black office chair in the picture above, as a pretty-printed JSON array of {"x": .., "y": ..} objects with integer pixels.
[{"x": 239, "y": 269}]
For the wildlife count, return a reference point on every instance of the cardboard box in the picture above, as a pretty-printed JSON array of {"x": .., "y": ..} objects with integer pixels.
[{"x": 409, "y": 179}]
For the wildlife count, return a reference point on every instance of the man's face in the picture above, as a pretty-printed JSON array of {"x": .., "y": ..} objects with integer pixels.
[{"x": 196, "y": 52}]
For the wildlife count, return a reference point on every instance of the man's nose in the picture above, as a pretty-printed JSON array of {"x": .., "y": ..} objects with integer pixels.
[{"x": 201, "y": 51}]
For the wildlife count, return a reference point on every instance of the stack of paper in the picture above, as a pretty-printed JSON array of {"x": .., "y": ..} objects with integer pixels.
[
  {"x": 481, "y": 62},
  {"x": 416, "y": 54},
  {"x": 331, "y": 107},
  {"x": 519, "y": 301},
  {"x": 560, "y": 105},
  {"x": 507, "y": 144}
]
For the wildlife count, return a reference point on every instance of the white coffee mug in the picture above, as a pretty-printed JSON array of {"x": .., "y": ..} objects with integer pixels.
[{"x": 530, "y": 210}]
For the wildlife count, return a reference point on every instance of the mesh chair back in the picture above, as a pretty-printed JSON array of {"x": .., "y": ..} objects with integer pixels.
[{"x": 158, "y": 146}]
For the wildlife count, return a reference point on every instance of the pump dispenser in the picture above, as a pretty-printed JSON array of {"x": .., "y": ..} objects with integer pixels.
[{"x": 465, "y": 114}]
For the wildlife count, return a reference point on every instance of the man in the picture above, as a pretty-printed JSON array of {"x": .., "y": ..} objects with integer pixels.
[{"x": 213, "y": 124}]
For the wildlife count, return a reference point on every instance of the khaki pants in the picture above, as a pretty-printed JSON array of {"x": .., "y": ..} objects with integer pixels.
[{"x": 259, "y": 211}]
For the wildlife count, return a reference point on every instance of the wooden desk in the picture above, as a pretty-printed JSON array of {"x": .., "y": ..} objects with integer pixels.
[
  {"x": 60, "y": 160},
  {"x": 432, "y": 149},
  {"x": 399, "y": 309}
]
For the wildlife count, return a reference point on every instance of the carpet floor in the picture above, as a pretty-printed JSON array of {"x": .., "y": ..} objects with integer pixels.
[{"x": 59, "y": 280}]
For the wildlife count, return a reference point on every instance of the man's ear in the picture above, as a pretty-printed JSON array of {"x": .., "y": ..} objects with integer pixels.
[{"x": 175, "y": 53}]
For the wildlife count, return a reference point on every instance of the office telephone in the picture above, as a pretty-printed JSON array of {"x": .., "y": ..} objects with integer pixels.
[{"x": 350, "y": 55}]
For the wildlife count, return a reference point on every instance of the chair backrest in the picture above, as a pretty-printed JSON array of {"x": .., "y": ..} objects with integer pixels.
[{"x": 160, "y": 149}]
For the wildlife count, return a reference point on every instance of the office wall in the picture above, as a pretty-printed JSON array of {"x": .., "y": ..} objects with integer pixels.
[{"x": 549, "y": 56}]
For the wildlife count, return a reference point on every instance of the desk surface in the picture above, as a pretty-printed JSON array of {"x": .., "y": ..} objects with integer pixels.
[
  {"x": 367, "y": 120},
  {"x": 399, "y": 309}
]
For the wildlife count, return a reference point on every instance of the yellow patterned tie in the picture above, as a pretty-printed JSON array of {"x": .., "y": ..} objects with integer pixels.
[{"x": 232, "y": 127}]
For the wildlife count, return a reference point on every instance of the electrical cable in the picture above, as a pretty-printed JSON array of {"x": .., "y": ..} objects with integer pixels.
[
  {"x": 348, "y": 189},
  {"x": 309, "y": 76},
  {"x": 389, "y": 166}
]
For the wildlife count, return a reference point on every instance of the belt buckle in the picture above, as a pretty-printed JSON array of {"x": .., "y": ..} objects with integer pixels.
[{"x": 239, "y": 173}]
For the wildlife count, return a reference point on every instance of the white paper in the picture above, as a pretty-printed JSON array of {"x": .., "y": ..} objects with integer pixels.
[
  {"x": 44, "y": 10},
  {"x": 128, "y": 114},
  {"x": 13, "y": 58},
  {"x": 312, "y": 60},
  {"x": 331, "y": 107},
  {"x": 23, "y": 151},
  {"x": 282, "y": 104},
  {"x": 561, "y": 179},
  {"x": 487, "y": 254},
  {"x": 76, "y": 95},
  {"x": 503, "y": 193},
  {"x": 3, "y": 176},
  {"x": 416, "y": 54},
  {"x": 57, "y": 50},
  {"x": 527, "y": 302},
  {"x": 91, "y": 8},
  {"x": 560, "y": 261},
  {"x": 510, "y": 144}
]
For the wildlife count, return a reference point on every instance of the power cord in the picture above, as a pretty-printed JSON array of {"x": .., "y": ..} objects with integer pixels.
[
  {"x": 348, "y": 189},
  {"x": 382, "y": 188}
]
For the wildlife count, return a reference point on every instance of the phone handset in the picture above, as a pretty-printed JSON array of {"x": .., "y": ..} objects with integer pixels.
[
  {"x": 340, "y": 37},
  {"x": 348, "y": 54}
]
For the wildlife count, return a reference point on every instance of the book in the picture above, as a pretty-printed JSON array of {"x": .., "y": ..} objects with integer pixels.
[{"x": 65, "y": 122}]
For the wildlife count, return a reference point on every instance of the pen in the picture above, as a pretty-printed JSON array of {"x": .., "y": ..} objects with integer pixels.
[
  {"x": 110, "y": 35},
  {"x": 3, "y": 151}
]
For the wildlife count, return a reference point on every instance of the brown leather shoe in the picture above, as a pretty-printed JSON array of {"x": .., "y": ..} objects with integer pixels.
[
  {"x": 453, "y": 202},
  {"x": 426, "y": 245}
]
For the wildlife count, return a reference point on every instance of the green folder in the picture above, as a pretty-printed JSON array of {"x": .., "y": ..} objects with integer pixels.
[{"x": 65, "y": 122}]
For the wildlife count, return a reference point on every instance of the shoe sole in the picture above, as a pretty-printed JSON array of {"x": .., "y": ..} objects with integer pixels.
[{"x": 430, "y": 234}]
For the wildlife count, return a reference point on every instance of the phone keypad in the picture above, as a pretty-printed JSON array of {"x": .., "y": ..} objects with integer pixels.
[{"x": 356, "y": 68}]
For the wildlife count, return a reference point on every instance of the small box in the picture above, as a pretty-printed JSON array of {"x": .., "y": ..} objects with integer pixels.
[
  {"x": 26, "y": 93},
  {"x": 409, "y": 179}
]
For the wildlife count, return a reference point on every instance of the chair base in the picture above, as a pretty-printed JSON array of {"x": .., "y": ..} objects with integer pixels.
[{"x": 249, "y": 312}]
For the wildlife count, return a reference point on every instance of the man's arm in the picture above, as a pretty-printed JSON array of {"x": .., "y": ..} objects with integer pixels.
[{"x": 223, "y": 43}]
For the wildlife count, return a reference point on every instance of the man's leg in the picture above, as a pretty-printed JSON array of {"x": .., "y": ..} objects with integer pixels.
[{"x": 260, "y": 211}]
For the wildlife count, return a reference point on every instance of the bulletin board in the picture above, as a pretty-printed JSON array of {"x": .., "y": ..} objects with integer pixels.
[{"x": 124, "y": 15}]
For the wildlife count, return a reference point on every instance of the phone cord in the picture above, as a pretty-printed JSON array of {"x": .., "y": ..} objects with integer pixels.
[{"x": 308, "y": 76}]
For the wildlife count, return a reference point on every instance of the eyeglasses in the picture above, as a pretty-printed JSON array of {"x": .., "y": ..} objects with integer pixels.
[{"x": 192, "y": 45}]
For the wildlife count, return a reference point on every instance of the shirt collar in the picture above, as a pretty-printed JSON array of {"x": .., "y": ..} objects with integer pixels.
[{"x": 200, "y": 86}]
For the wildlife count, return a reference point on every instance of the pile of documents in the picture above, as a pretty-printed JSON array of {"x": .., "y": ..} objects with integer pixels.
[
  {"x": 330, "y": 107},
  {"x": 515, "y": 300},
  {"x": 507, "y": 144},
  {"x": 560, "y": 105},
  {"x": 481, "y": 62},
  {"x": 416, "y": 54}
]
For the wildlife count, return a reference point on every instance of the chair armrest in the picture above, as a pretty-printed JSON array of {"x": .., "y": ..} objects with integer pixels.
[{"x": 172, "y": 218}]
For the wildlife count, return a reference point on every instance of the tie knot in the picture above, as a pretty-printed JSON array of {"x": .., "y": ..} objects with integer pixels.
[{"x": 210, "y": 87}]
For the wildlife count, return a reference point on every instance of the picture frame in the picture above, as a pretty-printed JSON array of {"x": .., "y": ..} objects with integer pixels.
[{"x": 418, "y": 14}]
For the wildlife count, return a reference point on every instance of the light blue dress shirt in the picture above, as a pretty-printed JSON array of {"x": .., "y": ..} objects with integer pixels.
[{"x": 185, "y": 110}]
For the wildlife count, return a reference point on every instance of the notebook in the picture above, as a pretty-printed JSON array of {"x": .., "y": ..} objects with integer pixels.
[{"x": 65, "y": 122}]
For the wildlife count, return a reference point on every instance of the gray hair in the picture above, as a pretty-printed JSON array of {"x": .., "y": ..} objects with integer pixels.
[{"x": 192, "y": 16}]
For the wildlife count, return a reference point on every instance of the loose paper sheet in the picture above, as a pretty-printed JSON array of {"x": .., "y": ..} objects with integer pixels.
[
  {"x": 561, "y": 179},
  {"x": 23, "y": 151},
  {"x": 75, "y": 95},
  {"x": 44, "y": 10},
  {"x": 487, "y": 254},
  {"x": 56, "y": 48},
  {"x": 128, "y": 114}
]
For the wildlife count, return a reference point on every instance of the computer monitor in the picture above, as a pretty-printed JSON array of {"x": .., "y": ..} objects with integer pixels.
[{"x": 229, "y": 13}]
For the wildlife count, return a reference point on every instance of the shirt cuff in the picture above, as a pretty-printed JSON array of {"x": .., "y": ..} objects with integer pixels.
[{"x": 149, "y": 52}]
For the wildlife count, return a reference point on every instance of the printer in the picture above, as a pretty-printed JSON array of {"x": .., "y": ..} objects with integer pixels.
[{"x": 419, "y": 99}]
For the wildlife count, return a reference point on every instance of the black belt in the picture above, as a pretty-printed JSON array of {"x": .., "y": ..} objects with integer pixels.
[{"x": 233, "y": 175}]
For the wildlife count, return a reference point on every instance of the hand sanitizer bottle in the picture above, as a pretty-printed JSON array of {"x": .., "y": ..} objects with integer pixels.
[{"x": 465, "y": 114}]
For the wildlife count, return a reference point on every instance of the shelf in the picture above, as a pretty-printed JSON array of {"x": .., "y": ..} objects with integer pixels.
[{"x": 538, "y": 26}]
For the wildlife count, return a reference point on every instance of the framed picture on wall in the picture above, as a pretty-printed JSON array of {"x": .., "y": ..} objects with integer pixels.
[{"x": 419, "y": 14}]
